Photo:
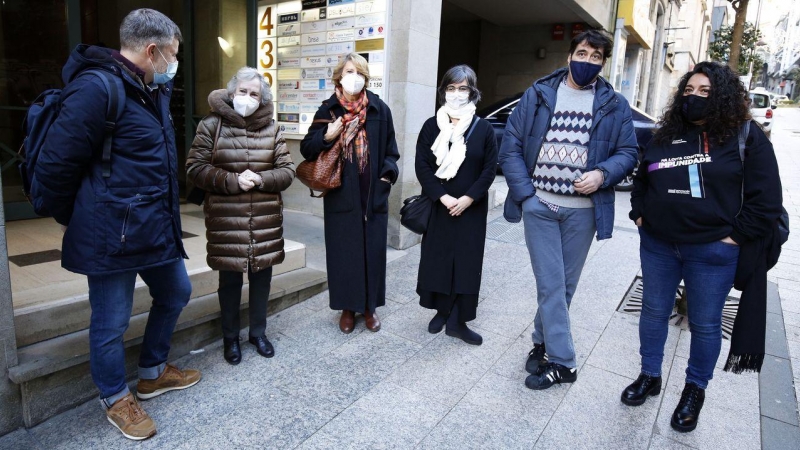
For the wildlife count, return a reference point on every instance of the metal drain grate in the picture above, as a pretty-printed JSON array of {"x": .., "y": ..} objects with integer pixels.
[
  {"x": 500, "y": 230},
  {"x": 632, "y": 304}
]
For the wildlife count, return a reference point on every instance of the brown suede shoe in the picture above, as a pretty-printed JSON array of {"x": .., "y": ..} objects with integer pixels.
[
  {"x": 347, "y": 322},
  {"x": 373, "y": 322},
  {"x": 171, "y": 379},
  {"x": 128, "y": 416}
]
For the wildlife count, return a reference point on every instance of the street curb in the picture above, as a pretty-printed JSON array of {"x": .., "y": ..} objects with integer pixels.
[{"x": 779, "y": 421}]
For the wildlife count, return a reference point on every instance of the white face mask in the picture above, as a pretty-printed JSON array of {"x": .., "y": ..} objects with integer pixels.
[
  {"x": 456, "y": 100},
  {"x": 353, "y": 83},
  {"x": 245, "y": 105}
]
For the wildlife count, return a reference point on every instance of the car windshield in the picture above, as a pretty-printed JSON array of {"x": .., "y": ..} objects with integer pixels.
[{"x": 759, "y": 101}]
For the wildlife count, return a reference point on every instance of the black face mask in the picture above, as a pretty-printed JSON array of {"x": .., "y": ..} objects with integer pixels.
[{"x": 694, "y": 107}]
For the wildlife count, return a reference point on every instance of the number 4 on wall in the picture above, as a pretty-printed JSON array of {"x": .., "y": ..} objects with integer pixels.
[{"x": 265, "y": 24}]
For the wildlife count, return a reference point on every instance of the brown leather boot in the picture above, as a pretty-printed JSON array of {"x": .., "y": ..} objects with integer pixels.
[
  {"x": 373, "y": 322},
  {"x": 347, "y": 321}
]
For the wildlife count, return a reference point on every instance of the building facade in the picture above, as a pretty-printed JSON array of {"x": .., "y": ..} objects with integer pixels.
[{"x": 409, "y": 44}]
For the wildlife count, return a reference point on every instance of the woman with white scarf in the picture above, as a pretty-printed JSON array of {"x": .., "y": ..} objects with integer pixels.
[{"x": 455, "y": 163}]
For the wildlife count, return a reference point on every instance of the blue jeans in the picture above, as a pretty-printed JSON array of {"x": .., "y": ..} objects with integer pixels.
[
  {"x": 558, "y": 243},
  {"x": 707, "y": 271},
  {"x": 111, "y": 299}
]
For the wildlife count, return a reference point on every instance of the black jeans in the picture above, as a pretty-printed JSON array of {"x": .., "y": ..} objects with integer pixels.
[{"x": 230, "y": 297}]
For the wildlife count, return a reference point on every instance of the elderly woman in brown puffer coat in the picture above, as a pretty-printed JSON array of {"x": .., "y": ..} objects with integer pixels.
[{"x": 240, "y": 159}]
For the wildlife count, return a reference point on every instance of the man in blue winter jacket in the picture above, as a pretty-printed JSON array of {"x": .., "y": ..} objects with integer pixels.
[
  {"x": 567, "y": 143},
  {"x": 125, "y": 222}
]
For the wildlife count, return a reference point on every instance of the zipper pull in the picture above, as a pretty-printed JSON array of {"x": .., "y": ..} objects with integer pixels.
[{"x": 123, "y": 239}]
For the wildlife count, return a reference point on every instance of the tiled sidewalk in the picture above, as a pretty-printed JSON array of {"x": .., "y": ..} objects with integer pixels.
[{"x": 405, "y": 388}]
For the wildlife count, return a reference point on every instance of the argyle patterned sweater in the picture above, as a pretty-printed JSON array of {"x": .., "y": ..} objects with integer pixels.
[{"x": 565, "y": 149}]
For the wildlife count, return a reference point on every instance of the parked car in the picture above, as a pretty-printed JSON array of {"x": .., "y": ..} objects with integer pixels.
[
  {"x": 761, "y": 109},
  {"x": 497, "y": 114}
]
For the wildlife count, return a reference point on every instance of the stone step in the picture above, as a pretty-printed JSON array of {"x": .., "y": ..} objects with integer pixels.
[
  {"x": 54, "y": 374},
  {"x": 61, "y": 316}
]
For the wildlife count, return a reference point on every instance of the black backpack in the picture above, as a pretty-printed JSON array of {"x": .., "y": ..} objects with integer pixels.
[
  {"x": 43, "y": 113},
  {"x": 783, "y": 220}
]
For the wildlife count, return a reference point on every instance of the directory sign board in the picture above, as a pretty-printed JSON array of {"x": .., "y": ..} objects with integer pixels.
[{"x": 301, "y": 41}]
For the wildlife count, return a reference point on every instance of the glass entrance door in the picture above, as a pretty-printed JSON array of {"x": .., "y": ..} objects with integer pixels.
[{"x": 33, "y": 49}]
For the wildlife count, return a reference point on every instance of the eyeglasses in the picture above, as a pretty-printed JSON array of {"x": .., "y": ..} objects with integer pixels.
[{"x": 463, "y": 89}]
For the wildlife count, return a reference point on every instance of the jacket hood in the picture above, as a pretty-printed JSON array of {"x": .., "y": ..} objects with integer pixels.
[
  {"x": 221, "y": 104},
  {"x": 87, "y": 57}
]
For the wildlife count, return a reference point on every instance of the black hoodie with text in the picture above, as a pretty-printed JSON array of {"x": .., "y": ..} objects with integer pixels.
[{"x": 689, "y": 189}]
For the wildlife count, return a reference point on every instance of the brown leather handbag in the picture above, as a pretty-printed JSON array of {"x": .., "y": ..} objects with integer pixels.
[{"x": 325, "y": 172}]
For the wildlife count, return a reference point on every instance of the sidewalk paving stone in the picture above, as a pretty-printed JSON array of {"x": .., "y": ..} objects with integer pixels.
[
  {"x": 592, "y": 414},
  {"x": 617, "y": 350},
  {"x": 388, "y": 416}
]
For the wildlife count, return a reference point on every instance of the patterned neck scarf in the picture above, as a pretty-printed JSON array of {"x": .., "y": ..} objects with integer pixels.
[{"x": 354, "y": 136}]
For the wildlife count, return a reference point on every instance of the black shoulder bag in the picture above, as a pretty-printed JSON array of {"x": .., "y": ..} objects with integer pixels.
[{"x": 416, "y": 211}]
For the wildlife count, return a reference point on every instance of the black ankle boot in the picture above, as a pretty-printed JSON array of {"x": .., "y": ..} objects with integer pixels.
[
  {"x": 458, "y": 329},
  {"x": 437, "y": 323},
  {"x": 231, "y": 350},
  {"x": 644, "y": 386},
  {"x": 688, "y": 411}
]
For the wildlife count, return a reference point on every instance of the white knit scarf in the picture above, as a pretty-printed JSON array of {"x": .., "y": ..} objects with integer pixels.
[{"x": 449, "y": 157}]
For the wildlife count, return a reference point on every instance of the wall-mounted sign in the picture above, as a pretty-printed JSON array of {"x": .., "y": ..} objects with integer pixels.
[
  {"x": 313, "y": 14},
  {"x": 369, "y": 45},
  {"x": 342, "y": 23},
  {"x": 314, "y": 27},
  {"x": 288, "y": 62},
  {"x": 313, "y": 50},
  {"x": 371, "y": 32},
  {"x": 288, "y": 30},
  {"x": 288, "y": 41},
  {"x": 302, "y": 41},
  {"x": 578, "y": 28},
  {"x": 341, "y": 11},
  {"x": 310, "y": 4},
  {"x": 558, "y": 32},
  {"x": 317, "y": 72},
  {"x": 286, "y": 18}
]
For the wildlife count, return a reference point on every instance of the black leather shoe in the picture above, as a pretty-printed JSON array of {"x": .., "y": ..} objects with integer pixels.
[
  {"x": 644, "y": 386},
  {"x": 232, "y": 351},
  {"x": 263, "y": 346},
  {"x": 687, "y": 413},
  {"x": 537, "y": 359}
]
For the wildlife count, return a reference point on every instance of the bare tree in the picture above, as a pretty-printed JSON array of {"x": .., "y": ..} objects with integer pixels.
[{"x": 740, "y": 6}]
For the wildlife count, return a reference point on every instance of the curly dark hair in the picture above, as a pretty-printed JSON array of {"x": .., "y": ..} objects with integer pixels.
[{"x": 728, "y": 105}]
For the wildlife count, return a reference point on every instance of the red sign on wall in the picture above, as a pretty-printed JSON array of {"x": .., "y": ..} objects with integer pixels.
[
  {"x": 578, "y": 28},
  {"x": 558, "y": 32}
]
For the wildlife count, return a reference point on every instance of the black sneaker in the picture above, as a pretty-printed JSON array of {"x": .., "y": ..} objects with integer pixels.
[
  {"x": 551, "y": 374},
  {"x": 537, "y": 358}
]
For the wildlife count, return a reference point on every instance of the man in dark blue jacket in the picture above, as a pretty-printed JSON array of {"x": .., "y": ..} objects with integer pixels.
[
  {"x": 567, "y": 143},
  {"x": 128, "y": 222}
]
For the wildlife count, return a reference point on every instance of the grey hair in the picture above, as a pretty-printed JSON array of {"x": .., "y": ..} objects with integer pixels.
[
  {"x": 247, "y": 74},
  {"x": 457, "y": 74},
  {"x": 142, "y": 27}
]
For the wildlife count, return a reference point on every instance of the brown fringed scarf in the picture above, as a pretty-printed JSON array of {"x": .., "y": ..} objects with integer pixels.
[{"x": 354, "y": 136}]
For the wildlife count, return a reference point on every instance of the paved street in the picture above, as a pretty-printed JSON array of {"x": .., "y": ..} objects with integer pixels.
[{"x": 405, "y": 388}]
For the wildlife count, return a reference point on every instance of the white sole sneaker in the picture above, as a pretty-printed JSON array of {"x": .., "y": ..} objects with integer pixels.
[
  {"x": 133, "y": 438},
  {"x": 158, "y": 392}
]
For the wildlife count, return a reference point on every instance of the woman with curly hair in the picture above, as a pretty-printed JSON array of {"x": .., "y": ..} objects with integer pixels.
[{"x": 695, "y": 203}]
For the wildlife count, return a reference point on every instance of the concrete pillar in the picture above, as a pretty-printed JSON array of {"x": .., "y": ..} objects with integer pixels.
[
  {"x": 10, "y": 399},
  {"x": 413, "y": 60}
]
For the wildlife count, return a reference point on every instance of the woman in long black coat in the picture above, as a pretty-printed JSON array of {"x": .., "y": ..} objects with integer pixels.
[
  {"x": 455, "y": 163},
  {"x": 356, "y": 214}
]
